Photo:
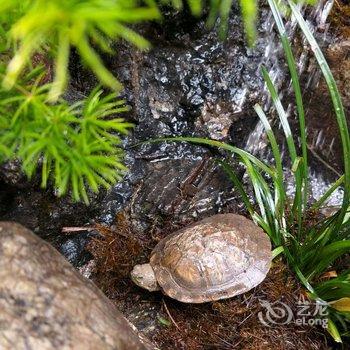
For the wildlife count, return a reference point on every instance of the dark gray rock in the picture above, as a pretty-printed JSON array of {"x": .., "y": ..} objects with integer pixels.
[{"x": 190, "y": 83}]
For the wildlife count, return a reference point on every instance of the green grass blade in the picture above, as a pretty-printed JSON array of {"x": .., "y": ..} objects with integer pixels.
[
  {"x": 328, "y": 255},
  {"x": 297, "y": 208},
  {"x": 238, "y": 185},
  {"x": 218, "y": 144},
  {"x": 337, "y": 104},
  {"x": 297, "y": 91},
  {"x": 335, "y": 288},
  {"x": 299, "y": 273},
  {"x": 319, "y": 203},
  {"x": 249, "y": 9},
  {"x": 277, "y": 251},
  {"x": 280, "y": 200},
  {"x": 333, "y": 331}
]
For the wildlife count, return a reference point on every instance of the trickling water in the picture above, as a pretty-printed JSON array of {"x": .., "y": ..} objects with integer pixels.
[
  {"x": 195, "y": 85},
  {"x": 191, "y": 84},
  {"x": 276, "y": 65},
  {"x": 257, "y": 142}
]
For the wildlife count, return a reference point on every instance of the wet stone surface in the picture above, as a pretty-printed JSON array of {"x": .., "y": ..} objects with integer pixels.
[
  {"x": 324, "y": 137},
  {"x": 45, "y": 214},
  {"x": 189, "y": 84}
]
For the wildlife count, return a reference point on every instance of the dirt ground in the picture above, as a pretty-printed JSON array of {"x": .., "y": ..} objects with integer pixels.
[
  {"x": 340, "y": 17},
  {"x": 227, "y": 324}
]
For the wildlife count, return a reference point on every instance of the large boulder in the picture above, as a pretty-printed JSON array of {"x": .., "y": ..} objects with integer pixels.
[{"x": 46, "y": 304}]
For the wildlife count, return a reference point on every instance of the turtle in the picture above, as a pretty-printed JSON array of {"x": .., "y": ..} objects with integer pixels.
[{"x": 216, "y": 258}]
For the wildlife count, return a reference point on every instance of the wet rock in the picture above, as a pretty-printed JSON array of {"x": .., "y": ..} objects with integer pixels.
[
  {"x": 323, "y": 130},
  {"x": 11, "y": 174},
  {"x": 73, "y": 248},
  {"x": 191, "y": 84},
  {"x": 43, "y": 212},
  {"x": 145, "y": 318},
  {"x": 46, "y": 304},
  {"x": 216, "y": 120}
]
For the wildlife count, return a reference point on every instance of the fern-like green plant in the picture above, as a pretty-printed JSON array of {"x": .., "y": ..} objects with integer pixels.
[
  {"x": 59, "y": 25},
  {"x": 77, "y": 145}
]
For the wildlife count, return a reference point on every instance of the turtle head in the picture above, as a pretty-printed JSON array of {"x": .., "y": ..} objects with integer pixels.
[{"x": 144, "y": 277}]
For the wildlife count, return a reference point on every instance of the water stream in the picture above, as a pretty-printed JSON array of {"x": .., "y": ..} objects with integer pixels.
[
  {"x": 194, "y": 85},
  {"x": 257, "y": 142}
]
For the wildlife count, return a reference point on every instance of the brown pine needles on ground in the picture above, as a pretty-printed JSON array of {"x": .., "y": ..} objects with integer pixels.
[{"x": 226, "y": 324}]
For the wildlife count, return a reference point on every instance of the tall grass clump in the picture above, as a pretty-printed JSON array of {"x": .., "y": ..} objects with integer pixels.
[{"x": 310, "y": 247}]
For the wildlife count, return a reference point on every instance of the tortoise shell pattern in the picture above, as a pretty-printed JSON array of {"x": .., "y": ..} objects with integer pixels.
[{"x": 216, "y": 258}]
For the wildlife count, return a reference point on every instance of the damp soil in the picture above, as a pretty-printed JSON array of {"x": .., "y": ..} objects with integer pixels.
[
  {"x": 340, "y": 18},
  {"x": 192, "y": 84},
  {"x": 227, "y": 324}
]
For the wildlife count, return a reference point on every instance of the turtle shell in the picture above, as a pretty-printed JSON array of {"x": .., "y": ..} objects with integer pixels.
[{"x": 215, "y": 258}]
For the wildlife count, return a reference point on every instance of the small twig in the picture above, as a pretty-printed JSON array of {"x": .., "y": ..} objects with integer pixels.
[
  {"x": 77, "y": 229},
  {"x": 240, "y": 323},
  {"x": 311, "y": 149},
  {"x": 337, "y": 3},
  {"x": 113, "y": 229},
  {"x": 171, "y": 318}
]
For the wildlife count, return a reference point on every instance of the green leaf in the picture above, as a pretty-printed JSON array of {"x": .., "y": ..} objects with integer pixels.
[
  {"x": 333, "y": 331},
  {"x": 238, "y": 185},
  {"x": 163, "y": 321},
  {"x": 342, "y": 304},
  {"x": 328, "y": 254},
  {"x": 195, "y": 6},
  {"x": 249, "y": 10},
  {"x": 277, "y": 251}
]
